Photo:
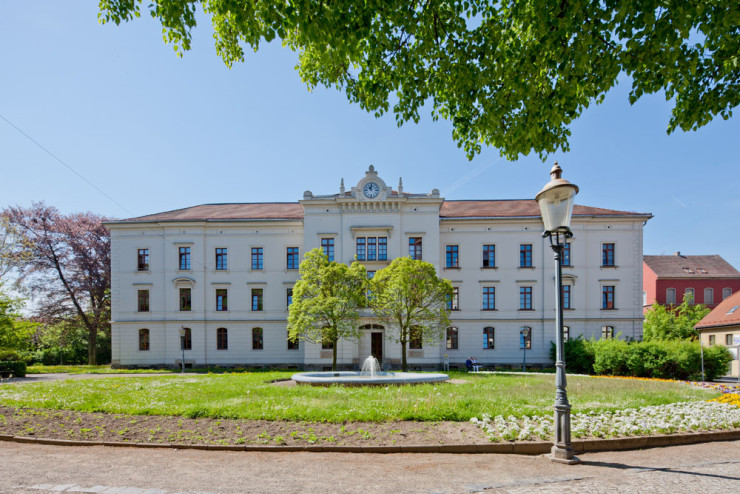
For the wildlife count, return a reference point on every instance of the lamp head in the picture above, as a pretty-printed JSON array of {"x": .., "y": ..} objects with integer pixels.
[{"x": 556, "y": 202}]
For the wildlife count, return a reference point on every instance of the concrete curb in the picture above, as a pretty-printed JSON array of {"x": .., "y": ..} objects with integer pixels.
[{"x": 517, "y": 448}]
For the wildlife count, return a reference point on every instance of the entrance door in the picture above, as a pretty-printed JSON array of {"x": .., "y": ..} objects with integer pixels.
[{"x": 376, "y": 346}]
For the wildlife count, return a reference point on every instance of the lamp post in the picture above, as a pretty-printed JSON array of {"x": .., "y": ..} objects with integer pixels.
[
  {"x": 556, "y": 204},
  {"x": 182, "y": 346}
]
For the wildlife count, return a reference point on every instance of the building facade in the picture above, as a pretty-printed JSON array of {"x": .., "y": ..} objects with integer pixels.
[
  {"x": 722, "y": 327},
  {"x": 223, "y": 273},
  {"x": 707, "y": 279}
]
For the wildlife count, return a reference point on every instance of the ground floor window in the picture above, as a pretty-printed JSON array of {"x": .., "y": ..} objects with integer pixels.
[
  {"x": 257, "y": 339},
  {"x": 525, "y": 338},
  {"x": 292, "y": 344},
  {"x": 488, "y": 338},
  {"x": 452, "y": 342},
  {"x": 607, "y": 332},
  {"x": 143, "y": 340},
  {"x": 222, "y": 339},
  {"x": 415, "y": 339},
  {"x": 186, "y": 342}
]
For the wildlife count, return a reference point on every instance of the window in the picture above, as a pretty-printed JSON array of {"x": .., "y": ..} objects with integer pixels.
[
  {"x": 382, "y": 248},
  {"x": 607, "y": 332},
  {"x": 289, "y": 296},
  {"x": 688, "y": 295},
  {"x": 371, "y": 248},
  {"x": 525, "y": 298},
  {"x": 565, "y": 257},
  {"x": 525, "y": 255},
  {"x": 326, "y": 342},
  {"x": 607, "y": 297},
  {"x": 185, "y": 299},
  {"x": 292, "y": 261},
  {"x": 732, "y": 311},
  {"x": 670, "y": 296},
  {"x": 489, "y": 256},
  {"x": 292, "y": 344},
  {"x": 726, "y": 292},
  {"x": 257, "y": 341},
  {"x": 708, "y": 296},
  {"x": 221, "y": 260},
  {"x": 256, "y": 299},
  {"x": 566, "y": 297},
  {"x": 451, "y": 257},
  {"x": 451, "y": 338},
  {"x": 415, "y": 248},
  {"x": 712, "y": 339},
  {"x": 489, "y": 298},
  {"x": 453, "y": 302},
  {"x": 489, "y": 341},
  {"x": 525, "y": 338},
  {"x": 222, "y": 339},
  {"x": 258, "y": 260},
  {"x": 143, "y": 340},
  {"x": 607, "y": 254},
  {"x": 327, "y": 245},
  {"x": 222, "y": 299},
  {"x": 143, "y": 301},
  {"x": 186, "y": 341},
  {"x": 415, "y": 338},
  {"x": 728, "y": 339},
  {"x": 566, "y": 333},
  {"x": 184, "y": 258},
  {"x": 143, "y": 260}
]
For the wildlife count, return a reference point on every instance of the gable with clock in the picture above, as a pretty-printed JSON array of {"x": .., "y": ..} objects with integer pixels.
[{"x": 371, "y": 187}]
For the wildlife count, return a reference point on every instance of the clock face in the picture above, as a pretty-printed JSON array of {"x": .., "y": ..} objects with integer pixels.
[{"x": 371, "y": 190}]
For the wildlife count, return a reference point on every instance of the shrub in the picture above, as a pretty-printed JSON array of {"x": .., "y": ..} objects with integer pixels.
[
  {"x": 610, "y": 357},
  {"x": 579, "y": 355},
  {"x": 18, "y": 369},
  {"x": 8, "y": 354},
  {"x": 717, "y": 360}
]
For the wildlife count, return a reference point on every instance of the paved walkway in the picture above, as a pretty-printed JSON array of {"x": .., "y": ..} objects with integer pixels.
[{"x": 40, "y": 469}]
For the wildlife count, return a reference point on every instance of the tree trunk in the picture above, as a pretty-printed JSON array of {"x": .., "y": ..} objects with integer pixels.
[
  {"x": 404, "y": 366},
  {"x": 92, "y": 346},
  {"x": 334, "y": 356}
]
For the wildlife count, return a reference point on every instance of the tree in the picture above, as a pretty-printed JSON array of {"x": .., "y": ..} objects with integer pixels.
[
  {"x": 411, "y": 300},
  {"x": 15, "y": 333},
  {"x": 68, "y": 267},
  {"x": 13, "y": 252},
  {"x": 673, "y": 323},
  {"x": 326, "y": 301},
  {"x": 512, "y": 74}
]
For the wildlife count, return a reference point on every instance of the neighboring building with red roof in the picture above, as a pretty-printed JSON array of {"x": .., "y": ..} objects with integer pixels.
[
  {"x": 223, "y": 273},
  {"x": 722, "y": 327},
  {"x": 707, "y": 279}
]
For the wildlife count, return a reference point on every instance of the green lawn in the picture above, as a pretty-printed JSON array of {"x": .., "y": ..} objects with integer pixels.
[
  {"x": 88, "y": 369},
  {"x": 251, "y": 396}
]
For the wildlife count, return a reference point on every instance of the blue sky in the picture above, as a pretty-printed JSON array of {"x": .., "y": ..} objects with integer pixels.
[{"x": 155, "y": 132}]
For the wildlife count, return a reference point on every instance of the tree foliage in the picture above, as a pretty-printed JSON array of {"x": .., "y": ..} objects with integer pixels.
[
  {"x": 512, "y": 74},
  {"x": 326, "y": 301},
  {"x": 15, "y": 333},
  {"x": 673, "y": 323},
  {"x": 411, "y": 300},
  {"x": 68, "y": 266}
]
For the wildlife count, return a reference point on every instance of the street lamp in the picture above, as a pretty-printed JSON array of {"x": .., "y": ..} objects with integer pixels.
[
  {"x": 556, "y": 204},
  {"x": 182, "y": 345}
]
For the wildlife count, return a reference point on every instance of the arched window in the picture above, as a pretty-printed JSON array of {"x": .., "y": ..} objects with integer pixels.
[
  {"x": 525, "y": 338},
  {"x": 143, "y": 340},
  {"x": 452, "y": 343},
  {"x": 186, "y": 342},
  {"x": 415, "y": 338},
  {"x": 726, "y": 292},
  {"x": 489, "y": 338},
  {"x": 257, "y": 339},
  {"x": 222, "y": 339}
]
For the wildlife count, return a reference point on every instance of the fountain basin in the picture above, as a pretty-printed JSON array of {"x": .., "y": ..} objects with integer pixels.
[{"x": 351, "y": 378}]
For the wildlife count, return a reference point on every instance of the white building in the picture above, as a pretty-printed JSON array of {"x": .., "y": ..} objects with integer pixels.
[{"x": 225, "y": 273}]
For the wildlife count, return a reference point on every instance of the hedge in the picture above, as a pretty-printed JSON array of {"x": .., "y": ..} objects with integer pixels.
[
  {"x": 669, "y": 359},
  {"x": 18, "y": 369}
]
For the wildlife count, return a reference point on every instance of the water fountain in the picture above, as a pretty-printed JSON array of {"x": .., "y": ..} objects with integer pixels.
[{"x": 369, "y": 375}]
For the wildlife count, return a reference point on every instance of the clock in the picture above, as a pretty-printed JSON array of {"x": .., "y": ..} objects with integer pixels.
[{"x": 371, "y": 190}]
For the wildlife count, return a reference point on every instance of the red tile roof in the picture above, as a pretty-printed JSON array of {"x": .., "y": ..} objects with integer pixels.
[
  {"x": 518, "y": 208},
  {"x": 721, "y": 316},
  {"x": 294, "y": 211},
  {"x": 679, "y": 266}
]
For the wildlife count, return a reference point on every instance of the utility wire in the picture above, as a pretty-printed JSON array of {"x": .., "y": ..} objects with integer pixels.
[{"x": 66, "y": 165}]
